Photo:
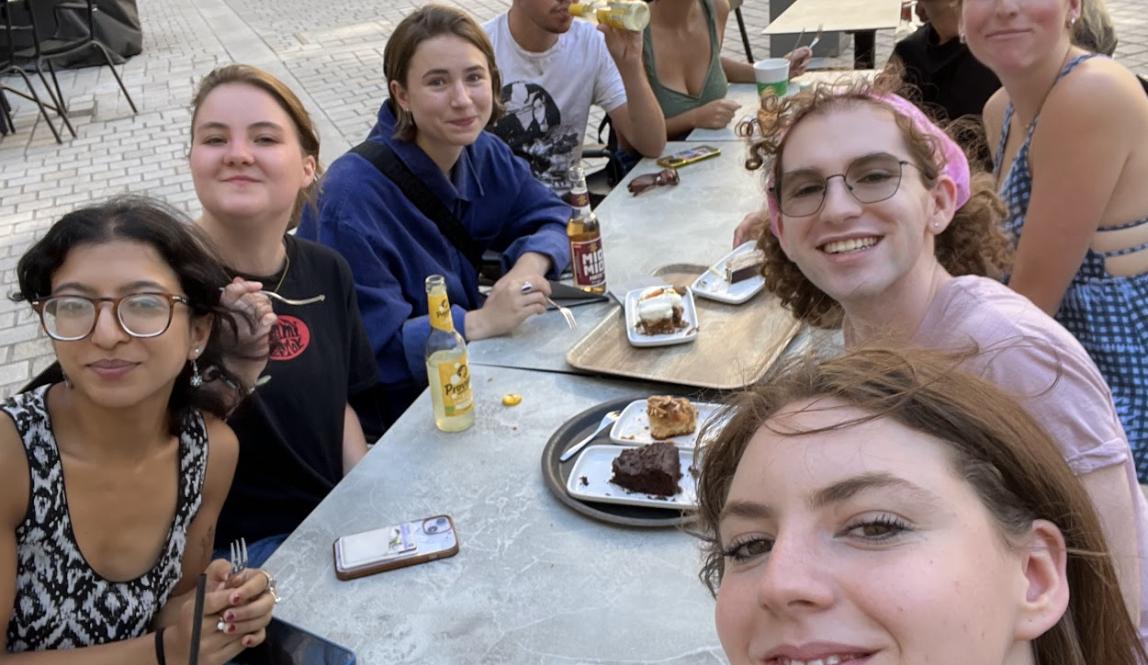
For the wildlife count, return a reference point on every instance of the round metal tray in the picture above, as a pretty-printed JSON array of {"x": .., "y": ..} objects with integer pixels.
[{"x": 557, "y": 473}]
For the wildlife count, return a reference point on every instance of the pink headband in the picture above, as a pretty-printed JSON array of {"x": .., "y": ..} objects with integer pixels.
[{"x": 956, "y": 165}]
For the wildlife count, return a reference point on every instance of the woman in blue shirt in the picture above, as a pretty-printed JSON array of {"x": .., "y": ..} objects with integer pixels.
[{"x": 442, "y": 78}]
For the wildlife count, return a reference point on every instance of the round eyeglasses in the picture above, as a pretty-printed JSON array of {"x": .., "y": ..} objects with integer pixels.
[
  {"x": 868, "y": 180},
  {"x": 70, "y": 318}
]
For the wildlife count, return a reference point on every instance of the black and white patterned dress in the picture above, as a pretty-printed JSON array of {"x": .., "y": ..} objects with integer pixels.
[{"x": 61, "y": 603}]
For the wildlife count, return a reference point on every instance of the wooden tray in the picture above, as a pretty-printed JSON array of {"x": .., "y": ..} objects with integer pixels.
[{"x": 735, "y": 347}]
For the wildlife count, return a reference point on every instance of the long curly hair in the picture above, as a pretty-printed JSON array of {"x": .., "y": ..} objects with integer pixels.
[{"x": 973, "y": 244}]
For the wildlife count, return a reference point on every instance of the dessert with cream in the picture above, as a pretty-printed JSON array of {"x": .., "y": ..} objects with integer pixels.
[
  {"x": 670, "y": 416},
  {"x": 744, "y": 266},
  {"x": 660, "y": 310}
]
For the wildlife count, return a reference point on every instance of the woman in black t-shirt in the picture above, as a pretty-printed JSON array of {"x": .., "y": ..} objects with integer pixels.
[{"x": 254, "y": 161}]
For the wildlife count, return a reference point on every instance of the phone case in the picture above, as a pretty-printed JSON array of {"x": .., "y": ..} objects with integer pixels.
[
  {"x": 398, "y": 546},
  {"x": 684, "y": 157}
]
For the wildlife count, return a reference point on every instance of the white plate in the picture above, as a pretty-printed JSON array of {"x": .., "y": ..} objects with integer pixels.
[
  {"x": 595, "y": 465},
  {"x": 633, "y": 426},
  {"x": 709, "y": 285},
  {"x": 686, "y": 334}
]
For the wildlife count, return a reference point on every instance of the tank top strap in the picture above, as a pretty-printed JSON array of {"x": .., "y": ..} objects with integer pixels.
[
  {"x": 999, "y": 161},
  {"x": 1072, "y": 64},
  {"x": 1125, "y": 250}
]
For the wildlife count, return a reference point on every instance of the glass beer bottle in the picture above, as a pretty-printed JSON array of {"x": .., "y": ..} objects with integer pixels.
[
  {"x": 621, "y": 14},
  {"x": 587, "y": 258},
  {"x": 447, "y": 370}
]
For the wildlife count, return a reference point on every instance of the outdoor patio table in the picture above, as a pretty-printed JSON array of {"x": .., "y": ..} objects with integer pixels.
[
  {"x": 533, "y": 582},
  {"x": 861, "y": 17}
]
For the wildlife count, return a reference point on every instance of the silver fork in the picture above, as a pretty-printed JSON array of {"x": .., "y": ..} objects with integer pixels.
[
  {"x": 571, "y": 322},
  {"x": 294, "y": 301},
  {"x": 816, "y": 37},
  {"x": 238, "y": 556}
]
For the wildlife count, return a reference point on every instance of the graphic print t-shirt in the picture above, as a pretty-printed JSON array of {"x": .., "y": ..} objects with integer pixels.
[{"x": 548, "y": 96}]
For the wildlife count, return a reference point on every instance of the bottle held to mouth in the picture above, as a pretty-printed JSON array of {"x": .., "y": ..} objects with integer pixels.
[
  {"x": 621, "y": 14},
  {"x": 448, "y": 371}
]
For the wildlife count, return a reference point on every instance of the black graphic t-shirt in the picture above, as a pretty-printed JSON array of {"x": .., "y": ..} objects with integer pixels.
[{"x": 291, "y": 430}]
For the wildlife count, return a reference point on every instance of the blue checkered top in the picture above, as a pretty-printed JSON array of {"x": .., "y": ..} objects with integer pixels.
[{"x": 1105, "y": 312}]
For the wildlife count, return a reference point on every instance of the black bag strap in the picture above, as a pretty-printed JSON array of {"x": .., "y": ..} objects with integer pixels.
[{"x": 388, "y": 163}]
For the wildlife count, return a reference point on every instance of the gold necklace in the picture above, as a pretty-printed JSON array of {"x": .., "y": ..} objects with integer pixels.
[{"x": 286, "y": 267}]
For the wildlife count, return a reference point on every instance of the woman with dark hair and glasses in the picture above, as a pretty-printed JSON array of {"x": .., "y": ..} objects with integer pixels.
[
  {"x": 112, "y": 479},
  {"x": 879, "y": 227}
]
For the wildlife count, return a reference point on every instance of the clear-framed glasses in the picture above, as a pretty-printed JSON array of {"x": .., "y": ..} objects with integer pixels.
[
  {"x": 869, "y": 180},
  {"x": 70, "y": 318}
]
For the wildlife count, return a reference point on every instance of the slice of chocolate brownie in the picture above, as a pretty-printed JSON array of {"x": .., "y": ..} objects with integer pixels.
[{"x": 652, "y": 469}]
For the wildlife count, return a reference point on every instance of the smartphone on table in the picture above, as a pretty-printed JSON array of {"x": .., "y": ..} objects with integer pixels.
[
  {"x": 395, "y": 546},
  {"x": 688, "y": 156}
]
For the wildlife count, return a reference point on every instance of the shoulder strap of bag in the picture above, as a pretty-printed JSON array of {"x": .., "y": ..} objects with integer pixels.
[{"x": 387, "y": 162}]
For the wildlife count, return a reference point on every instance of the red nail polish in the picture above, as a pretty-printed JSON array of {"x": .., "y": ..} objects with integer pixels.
[
  {"x": 229, "y": 616},
  {"x": 234, "y": 599},
  {"x": 247, "y": 641}
]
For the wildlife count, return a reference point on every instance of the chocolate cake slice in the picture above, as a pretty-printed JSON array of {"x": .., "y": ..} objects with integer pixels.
[
  {"x": 652, "y": 469},
  {"x": 744, "y": 266}
]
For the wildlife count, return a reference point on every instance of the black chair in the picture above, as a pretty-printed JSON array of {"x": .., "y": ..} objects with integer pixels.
[
  {"x": 735, "y": 5},
  {"x": 44, "y": 51},
  {"x": 8, "y": 67}
]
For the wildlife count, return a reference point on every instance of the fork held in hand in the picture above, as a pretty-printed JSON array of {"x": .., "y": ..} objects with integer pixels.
[
  {"x": 292, "y": 301},
  {"x": 571, "y": 322},
  {"x": 238, "y": 557}
]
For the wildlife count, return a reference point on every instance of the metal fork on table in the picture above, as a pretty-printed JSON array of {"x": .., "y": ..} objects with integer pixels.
[{"x": 571, "y": 322}]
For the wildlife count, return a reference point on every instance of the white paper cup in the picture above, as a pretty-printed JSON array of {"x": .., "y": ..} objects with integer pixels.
[{"x": 772, "y": 74}]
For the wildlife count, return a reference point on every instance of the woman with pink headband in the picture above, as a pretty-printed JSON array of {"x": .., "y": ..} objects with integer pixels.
[{"x": 879, "y": 227}]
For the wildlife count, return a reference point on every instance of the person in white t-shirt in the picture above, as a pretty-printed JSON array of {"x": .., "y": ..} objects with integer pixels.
[{"x": 553, "y": 70}]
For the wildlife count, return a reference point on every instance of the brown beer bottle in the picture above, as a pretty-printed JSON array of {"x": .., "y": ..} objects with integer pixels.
[{"x": 587, "y": 259}]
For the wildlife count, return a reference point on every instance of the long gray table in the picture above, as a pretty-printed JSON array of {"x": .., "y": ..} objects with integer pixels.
[{"x": 533, "y": 582}]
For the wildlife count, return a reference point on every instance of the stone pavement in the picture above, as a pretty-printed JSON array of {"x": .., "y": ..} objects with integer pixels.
[{"x": 331, "y": 53}]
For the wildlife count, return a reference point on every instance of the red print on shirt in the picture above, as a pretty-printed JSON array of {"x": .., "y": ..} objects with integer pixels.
[{"x": 289, "y": 338}]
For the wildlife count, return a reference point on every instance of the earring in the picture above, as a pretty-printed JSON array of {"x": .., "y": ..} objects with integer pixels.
[
  {"x": 67, "y": 381},
  {"x": 961, "y": 37},
  {"x": 1071, "y": 21},
  {"x": 196, "y": 379}
]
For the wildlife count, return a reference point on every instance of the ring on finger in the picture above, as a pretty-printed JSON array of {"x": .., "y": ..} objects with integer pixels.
[
  {"x": 271, "y": 586},
  {"x": 221, "y": 625}
]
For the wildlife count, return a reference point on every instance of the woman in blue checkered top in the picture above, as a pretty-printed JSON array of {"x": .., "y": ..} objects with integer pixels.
[{"x": 1071, "y": 163}]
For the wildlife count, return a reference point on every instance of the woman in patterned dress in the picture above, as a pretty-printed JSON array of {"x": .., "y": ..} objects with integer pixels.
[
  {"x": 111, "y": 480},
  {"x": 1071, "y": 163}
]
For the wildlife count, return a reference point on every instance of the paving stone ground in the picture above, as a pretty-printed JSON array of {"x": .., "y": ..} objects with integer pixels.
[{"x": 331, "y": 53}]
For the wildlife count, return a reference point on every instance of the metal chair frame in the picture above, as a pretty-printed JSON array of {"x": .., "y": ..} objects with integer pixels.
[{"x": 8, "y": 66}]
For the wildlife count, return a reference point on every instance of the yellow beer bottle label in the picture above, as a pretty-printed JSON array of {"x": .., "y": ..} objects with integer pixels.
[
  {"x": 455, "y": 380},
  {"x": 440, "y": 312}
]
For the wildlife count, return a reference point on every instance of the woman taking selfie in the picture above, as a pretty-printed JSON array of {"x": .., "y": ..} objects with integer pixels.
[
  {"x": 883, "y": 507},
  {"x": 113, "y": 478},
  {"x": 1070, "y": 129},
  {"x": 882, "y": 229},
  {"x": 254, "y": 160},
  {"x": 460, "y": 192}
]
